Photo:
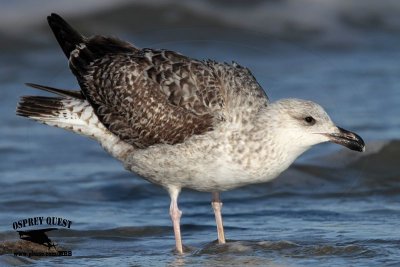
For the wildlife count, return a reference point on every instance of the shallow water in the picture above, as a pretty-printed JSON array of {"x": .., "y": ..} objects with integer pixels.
[{"x": 333, "y": 207}]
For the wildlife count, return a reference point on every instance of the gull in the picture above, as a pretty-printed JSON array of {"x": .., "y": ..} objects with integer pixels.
[{"x": 179, "y": 122}]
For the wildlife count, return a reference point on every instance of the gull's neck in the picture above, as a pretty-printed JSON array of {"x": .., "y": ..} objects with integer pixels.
[{"x": 280, "y": 146}]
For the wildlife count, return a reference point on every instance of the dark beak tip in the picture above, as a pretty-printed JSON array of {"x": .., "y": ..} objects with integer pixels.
[
  {"x": 355, "y": 146},
  {"x": 360, "y": 142},
  {"x": 362, "y": 148},
  {"x": 349, "y": 139}
]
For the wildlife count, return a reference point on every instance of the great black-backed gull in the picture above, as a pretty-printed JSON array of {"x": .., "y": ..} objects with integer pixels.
[{"x": 180, "y": 122}]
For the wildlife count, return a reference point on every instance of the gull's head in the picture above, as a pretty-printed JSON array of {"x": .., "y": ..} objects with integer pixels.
[{"x": 304, "y": 124}]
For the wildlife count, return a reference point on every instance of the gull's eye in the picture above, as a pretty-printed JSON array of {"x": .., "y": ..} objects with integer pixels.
[{"x": 310, "y": 120}]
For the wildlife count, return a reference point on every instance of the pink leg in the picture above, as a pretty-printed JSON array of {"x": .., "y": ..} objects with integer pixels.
[
  {"x": 217, "y": 206},
  {"x": 175, "y": 214}
]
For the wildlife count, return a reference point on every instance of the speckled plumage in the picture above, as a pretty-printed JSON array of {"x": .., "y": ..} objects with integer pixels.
[
  {"x": 179, "y": 122},
  {"x": 149, "y": 97}
]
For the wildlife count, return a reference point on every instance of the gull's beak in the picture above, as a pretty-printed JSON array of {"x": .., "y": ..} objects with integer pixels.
[{"x": 347, "y": 139}]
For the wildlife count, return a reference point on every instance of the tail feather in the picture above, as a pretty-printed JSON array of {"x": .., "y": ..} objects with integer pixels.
[
  {"x": 39, "y": 107},
  {"x": 75, "y": 115},
  {"x": 70, "y": 111}
]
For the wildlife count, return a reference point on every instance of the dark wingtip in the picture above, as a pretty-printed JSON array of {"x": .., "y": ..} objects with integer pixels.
[
  {"x": 51, "y": 16},
  {"x": 33, "y": 85},
  {"x": 61, "y": 92},
  {"x": 54, "y": 19},
  {"x": 67, "y": 37}
]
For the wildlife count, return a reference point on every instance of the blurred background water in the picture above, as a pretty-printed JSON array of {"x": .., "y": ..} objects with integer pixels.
[{"x": 333, "y": 207}]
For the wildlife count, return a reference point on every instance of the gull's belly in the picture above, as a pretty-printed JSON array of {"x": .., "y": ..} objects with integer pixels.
[
  {"x": 201, "y": 175},
  {"x": 204, "y": 166}
]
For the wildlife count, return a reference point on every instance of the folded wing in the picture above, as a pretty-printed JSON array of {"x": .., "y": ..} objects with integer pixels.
[{"x": 147, "y": 96}]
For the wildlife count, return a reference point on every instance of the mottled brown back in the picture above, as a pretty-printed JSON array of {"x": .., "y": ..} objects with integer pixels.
[{"x": 147, "y": 96}]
